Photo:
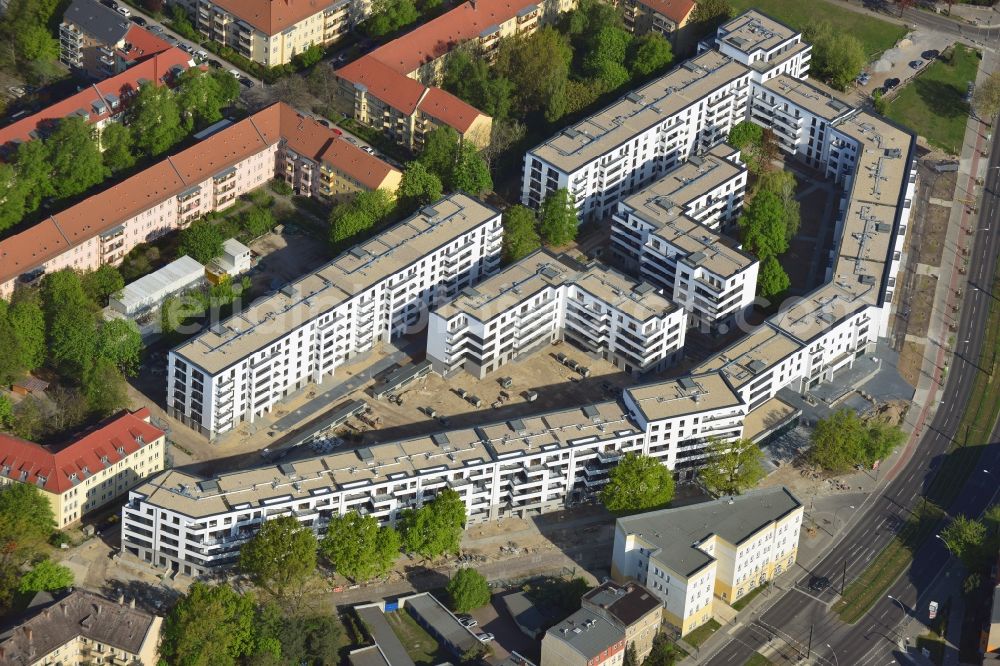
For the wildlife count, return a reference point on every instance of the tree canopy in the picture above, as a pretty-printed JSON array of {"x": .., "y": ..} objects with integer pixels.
[
  {"x": 538, "y": 67},
  {"x": 436, "y": 527},
  {"x": 965, "y": 538},
  {"x": 558, "y": 224},
  {"x": 732, "y": 468},
  {"x": 212, "y": 625},
  {"x": 70, "y": 323},
  {"x": 388, "y": 16},
  {"x": 470, "y": 174},
  {"x": 520, "y": 236},
  {"x": 155, "y": 119},
  {"x": 354, "y": 217},
  {"x": 76, "y": 161},
  {"x": 44, "y": 576},
  {"x": 763, "y": 225},
  {"x": 651, "y": 54},
  {"x": 468, "y": 589},
  {"x": 201, "y": 96},
  {"x": 638, "y": 483},
  {"x": 419, "y": 187},
  {"x": 745, "y": 134},
  {"x": 772, "y": 279},
  {"x": 358, "y": 548},
  {"x": 282, "y": 555},
  {"x": 120, "y": 342},
  {"x": 837, "y": 56},
  {"x": 101, "y": 283},
  {"x": 105, "y": 388},
  {"x": 26, "y": 522},
  {"x": 468, "y": 77},
  {"x": 202, "y": 241},
  {"x": 709, "y": 15},
  {"x": 843, "y": 440}
]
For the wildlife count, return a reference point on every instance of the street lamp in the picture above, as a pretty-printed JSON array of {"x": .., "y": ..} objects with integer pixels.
[
  {"x": 836, "y": 660},
  {"x": 942, "y": 539},
  {"x": 902, "y": 608}
]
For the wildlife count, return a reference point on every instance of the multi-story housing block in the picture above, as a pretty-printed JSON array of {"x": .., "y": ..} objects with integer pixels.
[
  {"x": 89, "y": 472},
  {"x": 101, "y": 42},
  {"x": 767, "y": 47},
  {"x": 171, "y": 194},
  {"x": 544, "y": 298},
  {"x": 722, "y": 549},
  {"x": 585, "y": 638},
  {"x": 666, "y": 233},
  {"x": 799, "y": 114},
  {"x": 640, "y": 137},
  {"x": 665, "y": 17},
  {"x": 633, "y": 608},
  {"x": 379, "y": 290},
  {"x": 272, "y": 33}
]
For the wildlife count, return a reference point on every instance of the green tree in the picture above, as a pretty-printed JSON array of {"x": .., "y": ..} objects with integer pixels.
[
  {"x": 75, "y": 159},
  {"x": 312, "y": 55},
  {"x": 879, "y": 102},
  {"x": 604, "y": 61},
  {"x": 650, "y": 53},
  {"x": 771, "y": 278},
  {"x": 471, "y": 173},
  {"x": 709, "y": 15},
  {"x": 436, "y": 528},
  {"x": 664, "y": 652},
  {"x": 34, "y": 171},
  {"x": 46, "y": 575},
  {"x": 6, "y": 412},
  {"x": 70, "y": 323},
  {"x": 732, "y": 468},
  {"x": 282, "y": 555},
  {"x": 29, "y": 419},
  {"x": 986, "y": 97},
  {"x": 631, "y": 657},
  {"x": 388, "y": 16},
  {"x": 367, "y": 209},
  {"x": 105, "y": 388},
  {"x": 120, "y": 342},
  {"x": 155, "y": 119},
  {"x": 538, "y": 68},
  {"x": 468, "y": 77},
  {"x": 440, "y": 153},
  {"x": 229, "y": 87},
  {"x": 212, "y": 625},
  {"x": 11, "y": 367},
  {"x": 358, "y": 548},
  {"x": 202, "y": 241},
  {"x": 745, "y": 135},
  {"x": 520, "y": 238},
  {"x": 309, "y": 639},
  {"x": 783, "y": 183},
  {"x": 418, "y": 187},
  {"x": 843, "y": 440},
  {"x": 200, "y": 98},
  {"x": 638, "y": 483},
  {"x": 26, "y": 521},
  {"x": 468, "y": 589},
  {"x": 763, "y": 225},
  {"x": 118, "y": 146},
  {"x": 837, "y": 56},
  {"x": 558, "y": 223},
  {"x": 258, "y": 221},
  {"x": 102, "y": 283},
  {"x": 28, "y": 328},
  {"x": 12, "y": 205},
  {"x": 965, "y": 538}
]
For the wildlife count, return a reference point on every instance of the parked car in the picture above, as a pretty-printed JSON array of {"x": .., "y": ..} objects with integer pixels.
[
  {"x": 485, "y": 637},
  {"x": 234, "y": 73},
  {"x": 930, "y": 54},
  {"x": 890, "y": 84},
  {"x": 969, "y": 90},
  {"x": 139, "y": 21},
  {"x": 248, "y": 83},
  {"x": 201, "y": 55},
  {"x": 916, "y": 64},
  {"x": 110, "y": 3},
  {"x": 819, "y": 583},
  {"x": 863, "y": 78},
  {"x": 215, "y": 64},
  {"x": 157, "y": 28},
  {"x": 368, "y": 149},
  {"x": 469, "y": 622},
  {"x": 124, "y": 11}
]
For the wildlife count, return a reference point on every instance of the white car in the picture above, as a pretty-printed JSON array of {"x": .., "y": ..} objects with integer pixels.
[
  {"x": 201, "y": 55},
  {"x": 368, "y": 149},
  {"x": 485, "y": 637},
  {"x": 234, "y": 73},
  {"x": 124, "y": 11},
  {"x": 468, "y": 622}
]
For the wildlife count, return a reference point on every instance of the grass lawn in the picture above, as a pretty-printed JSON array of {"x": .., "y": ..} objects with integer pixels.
[
  {"x": 932, "y": 104},
  {"x": 420, "y": 645},
  {"x": 742, "y": 602},
  {"x": 758, "y": 660},
  {"x": 875, "y": 35},
  {"x": 701, "y": 634}
]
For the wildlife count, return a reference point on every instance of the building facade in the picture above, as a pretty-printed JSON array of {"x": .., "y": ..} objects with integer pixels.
[
  {"x": 723, "y": 549},
  {"x": 647, "y": 133},
  {"x": 666, "y": 232},
  {"x": 171, "y": 194},
  {"x": 100, "y": 42},
  {"x": 90, "y": 472},
  {"x": 544, "y": 298},
  {"x": 585, "y": 638},
  {"x": 769, "y": 48},
  {"x": 633, "y": 608},
  {"x": 377, "y": 291},
  {"x": 668, "y": 18}
]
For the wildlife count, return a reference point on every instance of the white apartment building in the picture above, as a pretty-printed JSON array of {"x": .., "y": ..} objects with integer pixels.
[
  {"x": 544, "y": 298},
  {"x": 799, "y": 114},
  {"x": 643, "y": 135},
  {"x": 241, "y": 367},
  {"x": 693, "y": 555},
  {"x": 666, "y": 233},
  {"x": 519, "y": 467},
  {"x": 767, "y": 47}
]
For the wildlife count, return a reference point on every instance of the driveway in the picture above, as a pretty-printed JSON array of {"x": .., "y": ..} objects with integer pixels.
[{"x": 895, "y": 63}]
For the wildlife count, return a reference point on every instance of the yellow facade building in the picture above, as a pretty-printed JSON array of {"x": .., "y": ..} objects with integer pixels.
[{"x": 696, "y": 556}]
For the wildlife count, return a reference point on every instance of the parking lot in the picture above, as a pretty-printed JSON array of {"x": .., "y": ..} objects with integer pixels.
[{"x": 900, "y": 64}]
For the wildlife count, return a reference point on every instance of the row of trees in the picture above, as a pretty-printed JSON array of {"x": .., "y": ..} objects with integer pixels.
[
  {"x": 283, "y": 554},
  {"x": 70, "y": 161},
  {"x": 524, "y": 231},
  {"x": 26, "y": 525},
  {"x": 975, "y": 541},
  {"x": 445, "y": 164},
  {"x": 389, "y": 16},
  {"x": 29, "y": 29},
  {"x": 59, "y": 326}
]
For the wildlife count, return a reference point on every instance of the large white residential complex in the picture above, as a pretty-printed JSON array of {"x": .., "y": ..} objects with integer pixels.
[
  {"x": 544, "y": 298},
  {"x": 725, "y": 548},
  {"x": 551, "y": 460},
  {"x": 640, "y": 137},
  {"x": 665, "y": 232},
  {"x": 241, "y": 367}
]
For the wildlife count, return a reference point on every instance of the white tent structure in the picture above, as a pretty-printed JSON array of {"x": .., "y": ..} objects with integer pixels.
[{"x": 150, "y": 290}]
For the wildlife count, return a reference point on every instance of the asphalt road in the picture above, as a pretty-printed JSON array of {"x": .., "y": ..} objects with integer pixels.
[{"x": 801, "y": 611}]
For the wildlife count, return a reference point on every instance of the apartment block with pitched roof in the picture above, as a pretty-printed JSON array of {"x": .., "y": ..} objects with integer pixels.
[
  {"x": 92, "y": 470},
  {"x": 101, "y": 42},
  {"x": 665, "y": 17},
  {"x": 277, "y": 141}
]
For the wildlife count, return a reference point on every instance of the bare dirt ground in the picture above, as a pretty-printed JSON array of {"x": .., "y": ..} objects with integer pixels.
[
  {"x": 911, "y": 358},
  {"x": 920, "y": 304}
]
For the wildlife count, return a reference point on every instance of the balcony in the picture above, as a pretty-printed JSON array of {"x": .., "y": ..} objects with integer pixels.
[{"x": 607, "y": 457}]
